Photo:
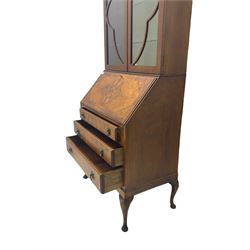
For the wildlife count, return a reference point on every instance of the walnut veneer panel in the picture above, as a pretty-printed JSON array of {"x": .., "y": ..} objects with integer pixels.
[{"x": 116, "y": 96}]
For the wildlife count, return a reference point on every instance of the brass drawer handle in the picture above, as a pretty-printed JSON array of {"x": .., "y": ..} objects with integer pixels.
[
  {"x": 78, "y": 132},
  {"x": 70, "y": 150},
  {"x": 82, "y": 116},
  {"x": 92, "y": 176},
  {"x": 101, "y": 153},
  {"x": 108, "y": 131}
]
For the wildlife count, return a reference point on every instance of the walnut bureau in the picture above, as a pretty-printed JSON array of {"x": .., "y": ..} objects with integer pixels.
[{"x": 128, "y": 136}]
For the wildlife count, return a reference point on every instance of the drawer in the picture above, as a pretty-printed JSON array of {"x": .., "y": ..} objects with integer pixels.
[
  {"x": 107, "y": 149},
  {"x": 100, "y": 173},
  {"x": 102, "y": 125}
]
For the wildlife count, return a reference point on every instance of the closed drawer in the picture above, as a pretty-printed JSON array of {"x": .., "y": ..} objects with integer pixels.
[
  {"x": 107, "y": 149},
  {"x": 102, "y": 125},
  {"x": 101, "y": 174}
]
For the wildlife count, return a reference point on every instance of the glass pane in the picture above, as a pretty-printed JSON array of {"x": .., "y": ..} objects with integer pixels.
[
  {"x": 145, "y": 16},
  {"x": 115, "y": 17}
]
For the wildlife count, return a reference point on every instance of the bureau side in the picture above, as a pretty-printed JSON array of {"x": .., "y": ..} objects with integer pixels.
[{"x": 152, "y": 137}]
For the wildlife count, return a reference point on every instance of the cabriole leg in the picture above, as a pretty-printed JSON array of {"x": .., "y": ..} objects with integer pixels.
[
  {"x": 125, "y": 203},
  {"x": 175, "y": 186}
]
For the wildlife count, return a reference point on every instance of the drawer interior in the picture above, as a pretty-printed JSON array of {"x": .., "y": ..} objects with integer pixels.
[
  {"x": 98, "y": 134},
  {"x": 106, "y": 148}
]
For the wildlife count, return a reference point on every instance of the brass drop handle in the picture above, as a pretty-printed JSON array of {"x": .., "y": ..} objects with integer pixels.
[
  {"x": 70, "y": 150},
  {"x": 108, "y": 131},
  {"x": 82, "y": 116},
  {"x": 92, "y": 176},
  {"x": 78, "y": 132},
  {"x": 101, "y": 153}
]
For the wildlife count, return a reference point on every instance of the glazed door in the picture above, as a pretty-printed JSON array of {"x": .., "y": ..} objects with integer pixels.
[
  {"x": 115, "y": 26},
  {"x": 144, "y": 35}
]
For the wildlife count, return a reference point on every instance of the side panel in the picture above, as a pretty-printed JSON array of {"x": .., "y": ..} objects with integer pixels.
[
  {"x": 152, "y": 137},
  {"x": 176, "y": 29}
]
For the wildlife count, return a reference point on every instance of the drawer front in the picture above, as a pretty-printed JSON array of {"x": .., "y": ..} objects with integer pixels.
[
  {"x": 99, "y": 172},
  {"x": 107, "y": 149},
  {"x": 103, "y": 126}
]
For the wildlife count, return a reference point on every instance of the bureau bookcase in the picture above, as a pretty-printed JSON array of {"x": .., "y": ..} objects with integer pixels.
[{"x": 128, "y": 136}]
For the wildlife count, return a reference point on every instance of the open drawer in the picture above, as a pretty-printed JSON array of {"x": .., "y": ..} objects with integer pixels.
[
  {"x": 101, "y": 174},
  {"x": 107, "y": 149}
]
